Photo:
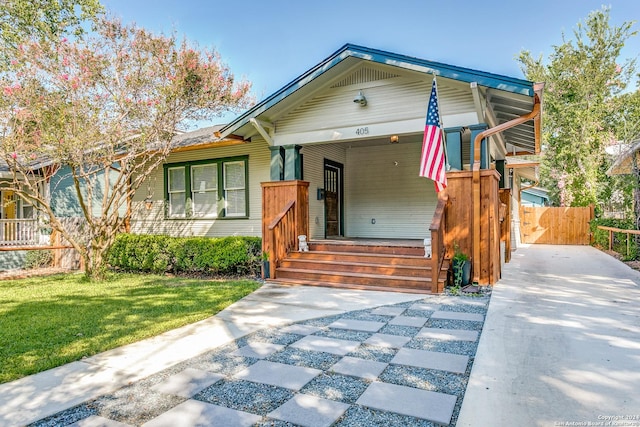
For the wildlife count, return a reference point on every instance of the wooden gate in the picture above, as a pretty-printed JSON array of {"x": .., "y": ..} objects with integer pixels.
[{"x": 555, "y": 226}]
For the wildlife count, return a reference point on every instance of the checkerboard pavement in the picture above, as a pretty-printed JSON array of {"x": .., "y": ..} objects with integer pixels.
[{"x": 404, "y": 364}]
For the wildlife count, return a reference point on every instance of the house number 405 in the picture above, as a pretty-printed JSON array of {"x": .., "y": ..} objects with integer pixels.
[{"x": 362, "y": 131}]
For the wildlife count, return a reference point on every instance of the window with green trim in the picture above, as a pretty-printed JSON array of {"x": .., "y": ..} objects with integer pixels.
[{"x": 207, "y": 188}]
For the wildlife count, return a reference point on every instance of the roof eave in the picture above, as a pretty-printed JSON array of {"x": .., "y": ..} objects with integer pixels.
[{"x": 495, "y": 81}]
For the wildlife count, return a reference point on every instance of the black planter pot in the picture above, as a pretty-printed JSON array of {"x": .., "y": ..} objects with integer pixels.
[{"x": 461, "y": 272}]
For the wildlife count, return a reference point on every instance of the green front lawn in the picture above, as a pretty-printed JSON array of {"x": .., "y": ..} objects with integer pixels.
[{"x": 49, "y": 321}]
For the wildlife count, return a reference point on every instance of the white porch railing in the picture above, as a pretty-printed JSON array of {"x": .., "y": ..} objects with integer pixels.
[{"x": 19, "y": 232}]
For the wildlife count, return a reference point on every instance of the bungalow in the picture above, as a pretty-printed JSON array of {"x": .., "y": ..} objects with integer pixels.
[{"x": 334, "y": 155}]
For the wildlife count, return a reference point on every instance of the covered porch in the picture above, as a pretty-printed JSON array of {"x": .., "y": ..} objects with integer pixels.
[{"x": 346, "y": 142}]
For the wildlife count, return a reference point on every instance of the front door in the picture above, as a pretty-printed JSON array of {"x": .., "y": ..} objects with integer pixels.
[
  {"x": 8, "y": 205},
  {"x": 333, "y": 188}
]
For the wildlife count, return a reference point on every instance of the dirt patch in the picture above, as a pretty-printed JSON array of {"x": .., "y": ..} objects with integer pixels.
[
  {"x": 635, "y": 264},
  {"x": 23, "y": 274}
]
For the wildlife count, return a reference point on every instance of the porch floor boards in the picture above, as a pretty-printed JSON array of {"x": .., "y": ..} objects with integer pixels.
[{"x": 372, "y": 264}]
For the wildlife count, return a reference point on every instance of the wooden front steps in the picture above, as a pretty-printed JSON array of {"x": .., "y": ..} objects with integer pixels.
[{"x": 373, "y": 265}]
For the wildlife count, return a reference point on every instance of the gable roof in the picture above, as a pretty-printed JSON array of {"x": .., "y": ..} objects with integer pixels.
[{"x": 489, "y": 80}]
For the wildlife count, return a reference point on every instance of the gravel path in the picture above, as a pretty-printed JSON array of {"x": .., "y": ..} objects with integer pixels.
[{"x": 141, "y": 401}]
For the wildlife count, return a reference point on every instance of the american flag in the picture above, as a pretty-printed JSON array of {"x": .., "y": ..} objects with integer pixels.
[{"x": 432, "y": 163}]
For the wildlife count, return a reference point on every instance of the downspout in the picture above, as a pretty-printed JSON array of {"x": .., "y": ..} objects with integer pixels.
[{"x": 534, "y": 114}]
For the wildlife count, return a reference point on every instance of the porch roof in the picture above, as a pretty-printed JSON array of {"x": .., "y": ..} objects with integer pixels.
[{"x": 510, "y": 97}]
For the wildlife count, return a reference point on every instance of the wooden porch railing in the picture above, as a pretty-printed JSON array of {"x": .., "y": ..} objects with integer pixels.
[
  {"x": 18, "y": 232},
  {"x": 437, "y": 242},
  {"x": 282, "y": 236}
]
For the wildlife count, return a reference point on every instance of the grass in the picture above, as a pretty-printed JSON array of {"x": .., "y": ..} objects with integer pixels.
[{"x": 49, "y": 321}]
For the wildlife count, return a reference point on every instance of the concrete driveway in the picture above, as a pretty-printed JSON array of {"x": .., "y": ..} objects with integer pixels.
[{"x": 561, "y": 343}]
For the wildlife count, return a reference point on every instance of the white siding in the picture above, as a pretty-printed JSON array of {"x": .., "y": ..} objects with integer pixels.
[
  {"x": 395, "y": 105},
  {"x": 401, "y": 202},
  {"x": 154, "y": 222}
]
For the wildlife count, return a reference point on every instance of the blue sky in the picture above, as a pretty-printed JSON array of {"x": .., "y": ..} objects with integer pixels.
[{"x": 271, "y": 42}]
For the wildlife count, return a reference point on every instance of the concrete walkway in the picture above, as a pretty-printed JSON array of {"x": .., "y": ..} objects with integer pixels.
[
  {"x": 560, "y": 345},
  {"x": 37, "y": 396}
]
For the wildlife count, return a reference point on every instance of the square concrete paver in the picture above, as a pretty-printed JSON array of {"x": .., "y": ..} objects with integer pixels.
[
  {"x": 300, "y": 329},
  {"x": 325, "y": 344},
  {"x": 431, "y": 360},
  {"x": 195, "y": 413},
  {"x": 425, "y": 306},
  {"x": 278, "y": 374},
  {"x": 454, "y": 315},
  {"x": 357, "y": 325},
  {"x": 389, "y": 311},
  {"x": 310, "y": 411},
  {"x": 258, "y": 350},
  {"x": 187, "y": 383},
  {"x": 416, "y": 322},
  {"x": 356, "y": 367},
  {"x": 97, "y": 421},
  {"x": 386, "y": 340},
  {"x": 428, "y": 405},
  {"x": 448, "y": 334}
]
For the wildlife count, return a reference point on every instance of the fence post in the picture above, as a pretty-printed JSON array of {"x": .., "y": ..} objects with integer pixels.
[
  {"x": 610, "y": 240},
  {"x": 628, "y": 247}
]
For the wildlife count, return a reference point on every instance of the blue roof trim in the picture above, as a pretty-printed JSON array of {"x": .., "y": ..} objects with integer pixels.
[{"x": 496, "y": 81}]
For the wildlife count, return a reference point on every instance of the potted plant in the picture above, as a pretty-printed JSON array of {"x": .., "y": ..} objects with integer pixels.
[{"x": 461, "y": 267}]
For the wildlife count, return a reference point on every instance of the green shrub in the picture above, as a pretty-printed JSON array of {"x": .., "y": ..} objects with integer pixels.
[
  {"x": 146, "y": 253},
  {"x": 601, "y": 237},
  {"x": 233, "y": 255},
  {"x": 38, "y": 259}
]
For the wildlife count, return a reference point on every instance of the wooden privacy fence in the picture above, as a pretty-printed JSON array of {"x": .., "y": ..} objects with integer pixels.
[{"x": 556, "y": 226}]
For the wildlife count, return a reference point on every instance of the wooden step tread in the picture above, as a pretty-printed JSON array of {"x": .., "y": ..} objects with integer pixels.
[
  {"x": 363, "y": 254},
  {"x": 358, "y": 263},
  {"x": 349, "y": 274},
  {"x": 304, "y": 282}
]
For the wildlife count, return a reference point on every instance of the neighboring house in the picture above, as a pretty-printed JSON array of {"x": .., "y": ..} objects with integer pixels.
[
  {"x": 535, "y": 197},
  {"x": 18, "y": 223},
  {"x": 335, "y": 155},
  {"x": 626, "y": 158},
  {"x": 21, "y": 226}
]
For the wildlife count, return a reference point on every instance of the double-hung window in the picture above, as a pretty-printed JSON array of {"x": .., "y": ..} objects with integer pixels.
[
  {"x": 207, "y": 189},
  {"x": 177, "y": 191},
  {"x": 235, "y": 194},
  {"x": 204, "y": 190}
]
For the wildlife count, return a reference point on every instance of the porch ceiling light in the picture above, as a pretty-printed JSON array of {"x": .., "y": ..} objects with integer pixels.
[
  {"x": 360, "y": 99},
  {"x": 394, "y": 139}
]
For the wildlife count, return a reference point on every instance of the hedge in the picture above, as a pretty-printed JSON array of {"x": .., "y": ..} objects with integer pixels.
[
  {"x": 601, "y": 237},
  {"x": 235, "y": 255}
]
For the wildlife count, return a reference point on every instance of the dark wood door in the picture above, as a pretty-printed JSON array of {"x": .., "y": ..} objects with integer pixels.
[{"x": 333, "y": 198}]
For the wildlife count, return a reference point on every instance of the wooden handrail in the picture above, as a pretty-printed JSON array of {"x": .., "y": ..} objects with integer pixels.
[
  {"x": 282, "y": 236},
  {"x": 281, "y": 215},
  {"x": 437, "y": 242},
  {"x": 618, "y": 230}
]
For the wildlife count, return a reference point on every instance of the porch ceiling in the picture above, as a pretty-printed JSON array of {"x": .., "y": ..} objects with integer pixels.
[{"x": 508, "y": 107}]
